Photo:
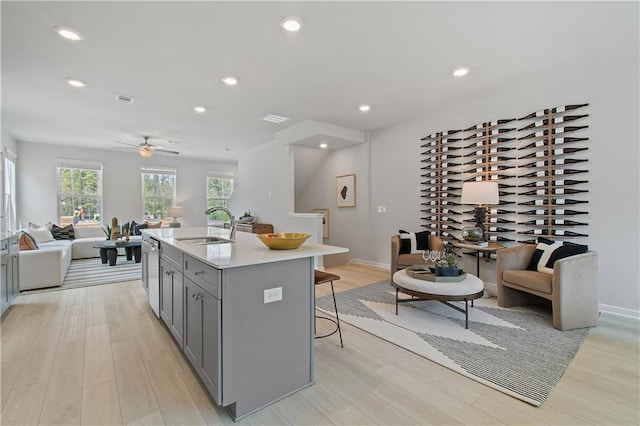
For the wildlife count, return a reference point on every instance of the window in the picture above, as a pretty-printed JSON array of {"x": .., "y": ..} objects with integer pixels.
[
  {"x": 9, "y": 178},
  {"x": 158, "y": 192},
  {"x": 219, "y": 191},
  {"x": 79, "y": 192}
]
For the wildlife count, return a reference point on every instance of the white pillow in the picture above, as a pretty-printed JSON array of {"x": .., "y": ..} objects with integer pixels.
[{"x": 41, "y": 235}]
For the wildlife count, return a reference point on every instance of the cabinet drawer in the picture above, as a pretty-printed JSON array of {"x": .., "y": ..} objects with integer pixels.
[
  {"x": 173, "y": 256},
  {"x": 204, "y": 275}
]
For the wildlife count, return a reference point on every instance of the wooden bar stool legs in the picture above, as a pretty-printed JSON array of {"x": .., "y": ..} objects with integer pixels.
[{"x": 322, "y": 277}]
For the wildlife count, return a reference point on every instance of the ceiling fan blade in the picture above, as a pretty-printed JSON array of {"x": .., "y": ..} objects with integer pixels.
[
  {"x": 130, "y": 144},
  {"x": 163, "y": 149},
  {"x": 125, "y": 148}
]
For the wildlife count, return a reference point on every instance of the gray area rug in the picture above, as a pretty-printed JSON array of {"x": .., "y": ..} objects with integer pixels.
[
  {"x": 90, "y": 272},
  {"x": 514, "y": 350}
]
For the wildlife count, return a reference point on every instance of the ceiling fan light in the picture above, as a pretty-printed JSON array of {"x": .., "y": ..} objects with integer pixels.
[
  {"x": 230, "y": 80},
  {"x": 145, "y": 152}
]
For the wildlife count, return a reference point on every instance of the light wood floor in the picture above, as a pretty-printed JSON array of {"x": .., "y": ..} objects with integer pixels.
[{"x": 97, "y": 355}]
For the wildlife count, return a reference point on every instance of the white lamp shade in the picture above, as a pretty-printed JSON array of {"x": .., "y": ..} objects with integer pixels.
[
  {"x": 175, "y": 211},
  {"x": 482, "y": 192}
]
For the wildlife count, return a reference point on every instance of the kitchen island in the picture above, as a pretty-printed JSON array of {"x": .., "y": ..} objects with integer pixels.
[{"x": 242, "y": 314}]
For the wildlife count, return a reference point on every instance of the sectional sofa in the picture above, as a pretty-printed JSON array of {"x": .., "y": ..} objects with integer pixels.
[{"x": 47, "y": 266}]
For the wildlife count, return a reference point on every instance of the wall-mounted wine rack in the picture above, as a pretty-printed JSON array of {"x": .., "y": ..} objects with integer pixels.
[{"x": 537, "y": 161}]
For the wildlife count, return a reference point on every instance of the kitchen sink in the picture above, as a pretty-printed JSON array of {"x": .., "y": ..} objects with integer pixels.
[{"x": 204, "y": 240}]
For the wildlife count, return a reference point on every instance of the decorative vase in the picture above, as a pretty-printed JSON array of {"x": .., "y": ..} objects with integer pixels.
[
  {"x": 447, "y": 271},
  {"x": 472, "y": 234}
]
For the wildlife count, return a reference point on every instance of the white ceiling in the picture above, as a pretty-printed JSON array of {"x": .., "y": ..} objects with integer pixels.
[{"x": 171, "y": 56}]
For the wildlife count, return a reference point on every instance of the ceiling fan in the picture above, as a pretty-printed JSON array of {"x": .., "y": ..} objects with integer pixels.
[{"x": 146, "y": 149}]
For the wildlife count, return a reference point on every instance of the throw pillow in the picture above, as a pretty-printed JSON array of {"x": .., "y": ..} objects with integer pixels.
[
  {"x": 41, "y": 235},
  {"x": 66, "y": 233},
  {"x": 413, "y": 242},
  {"x": 26, "y": 242},
  {"x": 566, "y": 250},
  {"x": 535, "y": 259},
  {"x": 134, "y": 228}
]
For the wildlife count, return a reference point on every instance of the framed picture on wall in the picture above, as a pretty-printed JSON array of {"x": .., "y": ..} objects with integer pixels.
[
  {"x": 346, "y": 190},
  {"x": 325, "y": 221}
]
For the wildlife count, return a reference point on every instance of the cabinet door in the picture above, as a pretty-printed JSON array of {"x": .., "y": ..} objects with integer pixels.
[
  {"x": 4, "y": 291},
  {"x": 15, "y": 278},
  {"x": 192, "y": 324},
  {"x": 177, "y": 312},
  {"x": 166, "y": 292},
  {"x": 211, "y": 349}
]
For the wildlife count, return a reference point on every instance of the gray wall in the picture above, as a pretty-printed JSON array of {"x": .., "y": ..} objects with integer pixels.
[{"x": 122, "y": 188}]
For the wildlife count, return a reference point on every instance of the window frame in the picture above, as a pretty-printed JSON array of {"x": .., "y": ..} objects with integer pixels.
[
  {"x": 172, "y": 202},
  {"x": 225, "y": 200},
  {"x": 84, "y": 165}
]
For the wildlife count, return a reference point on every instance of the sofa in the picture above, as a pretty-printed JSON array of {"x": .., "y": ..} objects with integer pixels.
[
  {"x": 47, "y": 266},
  {"x": 403, "y": 256},
  {"x": 570, "y": 286}
]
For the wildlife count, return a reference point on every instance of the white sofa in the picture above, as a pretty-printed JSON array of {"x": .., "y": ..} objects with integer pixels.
[{"x": 47, "y": 266}]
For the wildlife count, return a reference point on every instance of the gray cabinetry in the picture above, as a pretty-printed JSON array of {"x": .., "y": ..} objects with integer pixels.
[
  {"x": 10, "y": 285},
  {"x": 171, "y": 293},
  {"x": 202, "y": 336}
]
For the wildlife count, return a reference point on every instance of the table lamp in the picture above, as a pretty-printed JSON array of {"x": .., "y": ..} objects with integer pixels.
[
  {"x": 481, "y": 193},
  {"x": 175, "y": 213}
]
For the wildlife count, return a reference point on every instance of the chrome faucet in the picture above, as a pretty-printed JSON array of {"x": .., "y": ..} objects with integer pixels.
[{"x": 232, "y": 235}]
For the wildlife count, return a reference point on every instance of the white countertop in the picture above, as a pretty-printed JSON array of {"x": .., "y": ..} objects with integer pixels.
[{"x": 246, "y": 250}]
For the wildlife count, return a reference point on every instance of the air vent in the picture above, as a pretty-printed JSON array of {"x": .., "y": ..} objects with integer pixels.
[
  {"x": 275, "y": 118},
  {"x": 125, "y": 98}
]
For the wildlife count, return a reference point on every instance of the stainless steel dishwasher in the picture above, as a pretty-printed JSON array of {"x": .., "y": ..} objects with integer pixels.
[{"x": 151, "y": 271}]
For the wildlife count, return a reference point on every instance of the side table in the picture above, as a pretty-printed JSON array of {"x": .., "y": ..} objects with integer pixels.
[{"x": 491, "y": 248}]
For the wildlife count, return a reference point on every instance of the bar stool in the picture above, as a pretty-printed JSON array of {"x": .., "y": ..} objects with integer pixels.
[{"x": 322, "y": 277}]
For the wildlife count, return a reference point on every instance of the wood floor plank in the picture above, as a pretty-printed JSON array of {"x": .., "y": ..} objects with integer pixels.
[
  {"x": 38, "y": 362},
  {"x": 268, "y": 416},
  {"x": 73, "y": 327},
  {"x": 299, "y": 411},
  {"x": 336, "y": 409},
  {"x": 64, "y": 393},
  {"x": 98, "y": 359},
  {"x": 153, "y": 419},
  {"x": 135, "y": 393},
  {"x": 382, "y": 412},
  {"x": 16, "y": 345},
  {"x": 100, "y": 404},
  {"x": 176, "y": 404},
  {"x": 212, "y": 414},
  {"x": 24, "y": 405},
  {"x": 9, "y": 373}
]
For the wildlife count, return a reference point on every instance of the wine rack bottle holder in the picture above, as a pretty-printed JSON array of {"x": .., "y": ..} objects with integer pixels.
[{"x": 539, "y": 162}]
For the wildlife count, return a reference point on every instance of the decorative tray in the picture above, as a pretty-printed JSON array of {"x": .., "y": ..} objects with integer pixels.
[{"x": 421, "y": 272}]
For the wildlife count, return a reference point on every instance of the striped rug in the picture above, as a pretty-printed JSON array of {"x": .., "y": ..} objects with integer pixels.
[
  {"x": 514, "y": 350},
  {"x": 88, "y": 272}
]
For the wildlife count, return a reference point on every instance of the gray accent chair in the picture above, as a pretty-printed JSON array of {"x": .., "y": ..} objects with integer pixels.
[
  {"x": 572, "y": 289},
  {"x": 401, "y": 261}
]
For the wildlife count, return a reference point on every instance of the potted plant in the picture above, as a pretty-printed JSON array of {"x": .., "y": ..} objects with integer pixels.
[
  {"x": 247, "y": 217},
  {"x": 448, "y": 266}
]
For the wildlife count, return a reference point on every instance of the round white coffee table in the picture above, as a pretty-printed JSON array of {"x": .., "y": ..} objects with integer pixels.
[{"x": 469, "y": 289}]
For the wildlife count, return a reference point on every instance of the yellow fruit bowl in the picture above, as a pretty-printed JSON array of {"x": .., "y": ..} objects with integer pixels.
[{"x": 283, "y": 240}]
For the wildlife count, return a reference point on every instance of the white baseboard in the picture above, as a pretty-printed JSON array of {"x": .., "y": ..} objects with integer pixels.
[
  {"x": 618, "y": 311},
  {"x": 368, "y": 262}
]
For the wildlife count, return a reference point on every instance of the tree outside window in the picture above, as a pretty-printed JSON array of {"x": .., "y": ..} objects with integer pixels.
[
  {"x": 79, "y": 193},
  {"x": 219, "y": 191},
  {"x": 158, "y": 193}
]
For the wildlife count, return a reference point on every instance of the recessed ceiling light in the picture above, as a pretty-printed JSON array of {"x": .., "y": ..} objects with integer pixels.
[
  {"x": 76, "y": 83},
  {"x": 364, "y": 108},
  {"x": 291, "y": 24},
  {"x": 200, "y": 109},
  {"x": 68, "y": 33},
  {"x": 230, "y": 80},
  {"x": 460, "y": 72},
  {"x": 323, "y": 145},
  {"x": 272, "y": 118}
]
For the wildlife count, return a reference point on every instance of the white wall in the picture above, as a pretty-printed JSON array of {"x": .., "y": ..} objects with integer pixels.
[{"x": 122, "y": 188}]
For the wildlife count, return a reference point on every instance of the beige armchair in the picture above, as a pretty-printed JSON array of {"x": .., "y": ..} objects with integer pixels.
[
  {"x": 401, "y": 261},
  {"x": 572, "y": 289}
]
